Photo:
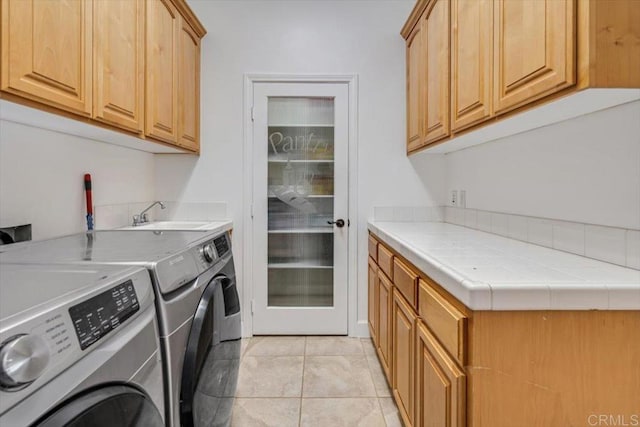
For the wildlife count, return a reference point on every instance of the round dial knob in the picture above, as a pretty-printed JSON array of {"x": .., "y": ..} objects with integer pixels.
[
  {"x": 22, "y": 360},
  {"x": 208, "y": 253}
]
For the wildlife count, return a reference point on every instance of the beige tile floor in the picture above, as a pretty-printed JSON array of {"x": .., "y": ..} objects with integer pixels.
[{"x": 312, "y": 381}]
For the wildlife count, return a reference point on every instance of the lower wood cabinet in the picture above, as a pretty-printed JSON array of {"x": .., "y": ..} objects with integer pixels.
[
  {"x": 450, "y": 366},
  {"x": 440, "y": 384},
  {"x": 373, "y": 301},
  {"x": 403, "y": 337},
  {"x": 385, "y": 295}
]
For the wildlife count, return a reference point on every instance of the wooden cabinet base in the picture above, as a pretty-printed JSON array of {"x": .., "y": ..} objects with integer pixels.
[
  {"x": 552, "y": 368},
  {"x": 505, "y": 368}
]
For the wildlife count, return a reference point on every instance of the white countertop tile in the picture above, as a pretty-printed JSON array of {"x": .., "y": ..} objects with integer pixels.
[
  {"x": 521, "y": 296},
  {"x": 579, "y": 296},
  {"x": 489, "y": 272}
]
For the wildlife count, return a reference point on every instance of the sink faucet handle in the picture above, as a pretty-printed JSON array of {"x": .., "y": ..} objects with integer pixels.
[
  {"x": 136, "y": 220},
  {"x": 144, "y": 218}
]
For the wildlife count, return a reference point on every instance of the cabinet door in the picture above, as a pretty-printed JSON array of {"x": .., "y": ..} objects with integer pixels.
[
  {"x": 471, "y": 61},
  {"x": 534, "y": 50},
  {"x": 43, "y": 60},
  {"x": 404, "y": 320},
  {"x": 118, "y": 69},
  {"x": 161, "y": 110},
  {"x": 415, "y": 87},
  {"x": 189, "y": 88},
  {"x": 441, "y": 384},
  {"x": 373, "y": 301},
  {"x": 384, "y": 324},
  {"x": 437, "y": 108}
]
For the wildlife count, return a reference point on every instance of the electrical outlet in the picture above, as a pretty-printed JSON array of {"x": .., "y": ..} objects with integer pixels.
[
  {"x": 454, "y": 198},
  {"x": 463, "y": 198}
]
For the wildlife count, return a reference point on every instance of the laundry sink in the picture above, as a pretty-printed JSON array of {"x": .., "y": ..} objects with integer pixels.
[{"x": 179, "y": 225}]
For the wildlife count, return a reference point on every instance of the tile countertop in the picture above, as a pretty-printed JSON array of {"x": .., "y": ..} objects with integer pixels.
[{"x": 489, "y": 272}]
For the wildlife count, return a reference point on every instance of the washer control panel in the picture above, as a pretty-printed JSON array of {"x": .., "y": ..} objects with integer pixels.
[{"x": 94, "y": 318}]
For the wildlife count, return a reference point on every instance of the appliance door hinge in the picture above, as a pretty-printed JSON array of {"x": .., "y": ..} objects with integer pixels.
[
  {"x": 252, "y": 305},
  {"x": 251, "y": 113},
  {"x": 251, "y": 210}
]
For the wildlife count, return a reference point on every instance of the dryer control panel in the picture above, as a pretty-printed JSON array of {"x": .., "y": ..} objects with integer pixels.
[{"x": 94, "y": 318}]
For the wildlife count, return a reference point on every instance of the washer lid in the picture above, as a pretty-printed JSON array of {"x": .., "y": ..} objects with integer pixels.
[
  {"x": 25, "y": 286},
  {"x": 104, "y": 247}
]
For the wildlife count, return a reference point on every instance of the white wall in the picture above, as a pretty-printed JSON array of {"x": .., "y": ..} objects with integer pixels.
[
  {"x": 42, "y": 172},
  {"x": 586, "y": 170},
  {"x": 304, "y": 37}
]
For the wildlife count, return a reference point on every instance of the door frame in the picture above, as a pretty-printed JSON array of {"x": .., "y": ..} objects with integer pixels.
[{"x": 247, "y": 188}]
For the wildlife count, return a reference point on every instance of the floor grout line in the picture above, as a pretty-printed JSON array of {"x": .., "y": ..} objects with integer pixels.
[
  {"x": 304, "y": 361},
  {"x": 362, "y": 346},
  {"x": 366, "y": 356}
]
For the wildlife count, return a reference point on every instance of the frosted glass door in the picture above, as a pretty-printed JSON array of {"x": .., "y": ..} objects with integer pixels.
[
  {"x": 298, "y": 136},
  {"x": 300, "y": 193}
]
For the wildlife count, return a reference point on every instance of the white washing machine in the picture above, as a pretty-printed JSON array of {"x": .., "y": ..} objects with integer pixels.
[
  {"x": 78, "y": 347},
  {"x": 196, "y": 301}
]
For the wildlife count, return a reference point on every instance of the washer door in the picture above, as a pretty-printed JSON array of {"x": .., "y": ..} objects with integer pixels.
[
  {"x": 200, "y": 340},
  {"x": 209, "y": 371},
  {"x": 108, "y": 406}
]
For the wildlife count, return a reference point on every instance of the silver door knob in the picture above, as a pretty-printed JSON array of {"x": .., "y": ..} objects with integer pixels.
[
  {"x": 22, "y": 360},
  {"x": 338, "y": 222}
]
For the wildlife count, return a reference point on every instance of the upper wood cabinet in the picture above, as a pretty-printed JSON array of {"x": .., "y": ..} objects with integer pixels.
[
  {"x": 163, "y": 30},
  {"x": 131, "y": 64},
  {"x": 189, "y": 88},
  {"x": 46, "y": 52},
  {"x": 118, "y": 67},
  {"x": 173, "y": 74},
  {"x": 496, "y": 58},
  {"x": 534, "y": 49},
  {"x": 416, "y": 80},
  {"x": 436, "y": 110},
  {"x": 471, "y": 62},
  {"x": 608, "y": 47}
]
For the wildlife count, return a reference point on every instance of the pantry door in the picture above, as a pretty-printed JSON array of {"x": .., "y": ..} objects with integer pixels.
[{"x": 300, "y": 208}]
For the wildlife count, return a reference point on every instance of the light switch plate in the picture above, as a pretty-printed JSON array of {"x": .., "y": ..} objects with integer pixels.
[{"x": 463, "y": 198}]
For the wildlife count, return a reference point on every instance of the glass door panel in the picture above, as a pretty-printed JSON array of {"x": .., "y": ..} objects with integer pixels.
[
  {"x": 300, "y": 181},
  {"x": 300, "y": 194}
]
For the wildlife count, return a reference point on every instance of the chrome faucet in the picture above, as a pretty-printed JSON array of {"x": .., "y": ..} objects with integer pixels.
[{"x": 141, "y": 218}]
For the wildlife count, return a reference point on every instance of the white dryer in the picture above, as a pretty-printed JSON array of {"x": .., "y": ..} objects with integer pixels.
[{"x": 79, "y": 346}]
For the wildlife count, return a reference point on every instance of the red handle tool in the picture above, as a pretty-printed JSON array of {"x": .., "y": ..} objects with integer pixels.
[{"x": 87, "y": 191}]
